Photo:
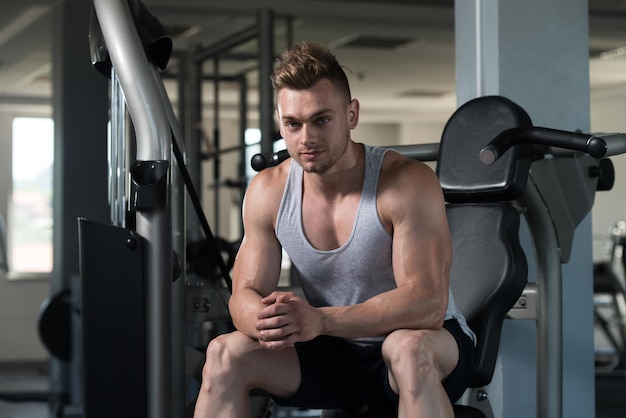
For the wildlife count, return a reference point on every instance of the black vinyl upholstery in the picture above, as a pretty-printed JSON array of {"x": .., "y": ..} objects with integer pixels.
[{"x": 463, "y": 177}]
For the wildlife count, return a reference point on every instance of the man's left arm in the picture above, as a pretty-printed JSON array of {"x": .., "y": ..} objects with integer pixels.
[{"x": 411, "y": 203}]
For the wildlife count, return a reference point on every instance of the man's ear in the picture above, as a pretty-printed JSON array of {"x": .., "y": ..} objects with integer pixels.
[
  {"x": 353, "y": 113},
  {"x": 280, "y": 125}
]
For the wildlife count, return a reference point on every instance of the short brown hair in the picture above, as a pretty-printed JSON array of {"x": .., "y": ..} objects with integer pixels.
[{"x": 306, "y": 63}]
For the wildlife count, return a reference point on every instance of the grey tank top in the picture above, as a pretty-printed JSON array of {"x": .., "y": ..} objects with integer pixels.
[{"x": 359, "y": 269}]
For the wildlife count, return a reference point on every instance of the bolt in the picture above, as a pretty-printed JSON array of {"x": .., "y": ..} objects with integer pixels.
[
  {"x": 481, "y": 395},
  {"x": 131, "y": 243}
]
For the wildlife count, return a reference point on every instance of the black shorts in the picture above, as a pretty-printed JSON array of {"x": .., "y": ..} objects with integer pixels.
[{"x": 340, "y": 374}]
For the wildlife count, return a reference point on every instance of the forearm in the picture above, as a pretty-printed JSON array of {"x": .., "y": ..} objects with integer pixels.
[
  {"x": 384, "y": 313},
  {"x": 244, "y": 306}
]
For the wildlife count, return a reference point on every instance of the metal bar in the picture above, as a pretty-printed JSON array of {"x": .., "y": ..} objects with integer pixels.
[
  {"x": 193, "y": 130},
  {"x": 243, "y": 126},
  {"x": 117, "y": 153},
  {"x": 616, "y": 143},
  {"x": 289, "y": 33},
  {"x": 121, "y": 176},
  {"x": 4, "y": 265},
  {"x": 225, "y": 150},
  {"x": 421, "y": 152},
  {"x": 550, "y": 305},
  {"x": 225, "y": 44},
  {"x": 112, "y": 149},
  {"x": 216, "y": 141},
  {"x": 266, "y": 64},
  {"x": 153, "y": 143},
  {"x": 179, "y": 244},
  {"x": 181, "y": 84},
  {"x": 208, "y": 77}
]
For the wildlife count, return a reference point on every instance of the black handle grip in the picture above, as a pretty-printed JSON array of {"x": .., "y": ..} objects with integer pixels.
[
  {"x": 262, "y": 161},
  {"x": 575, "y": 141}
]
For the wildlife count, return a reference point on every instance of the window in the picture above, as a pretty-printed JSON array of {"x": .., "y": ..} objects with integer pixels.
[{"x": 29, "y": 224}]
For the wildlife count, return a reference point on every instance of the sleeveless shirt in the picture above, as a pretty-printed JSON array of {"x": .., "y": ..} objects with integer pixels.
[{"x": 360, "y": 268}]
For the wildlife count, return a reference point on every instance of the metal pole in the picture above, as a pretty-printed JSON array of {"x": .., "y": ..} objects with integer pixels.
[
  {"x": 243, "y": 123},
  {"x": 226, "y": 44},
  {"x": 4, "y": 265},
  {"x": 243, "y": 126},
  {"x": 153, "y": 143},
  {"x": 193, "y": 135},
  {"x": 420, "y": 152},
  {"x": 216, "y": 141},
  {"x": 181, "y": 84},
  {"x": 117, "y": 153},
  {"x": 550, "y": 305},
  {"x": 266, "y": 95},
  {"x": 179, "y": 241},
  {"x": 289, "y": 33}
]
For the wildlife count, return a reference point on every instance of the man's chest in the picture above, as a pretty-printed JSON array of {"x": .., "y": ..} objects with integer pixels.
[{"x": 328, "y": 225}]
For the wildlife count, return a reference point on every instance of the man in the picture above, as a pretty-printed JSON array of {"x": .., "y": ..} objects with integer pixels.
[{"x": 367, "y": 234}]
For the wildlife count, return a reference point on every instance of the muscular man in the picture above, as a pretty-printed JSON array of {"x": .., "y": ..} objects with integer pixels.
[{"x": 367, "y": 234}]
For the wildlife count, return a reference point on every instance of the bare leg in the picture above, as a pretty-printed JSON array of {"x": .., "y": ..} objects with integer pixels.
[
  {"x": 235, "y": 364},
  {"x": 418, "y": 361}
]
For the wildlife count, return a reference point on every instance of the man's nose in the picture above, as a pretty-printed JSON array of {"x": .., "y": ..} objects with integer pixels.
[{"x": 307, "y": 134}]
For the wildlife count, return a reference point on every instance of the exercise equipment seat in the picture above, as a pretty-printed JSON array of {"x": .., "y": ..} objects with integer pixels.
[{"x": 489, "y": 269}]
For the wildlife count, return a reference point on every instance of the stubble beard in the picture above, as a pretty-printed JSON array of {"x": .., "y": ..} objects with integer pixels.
[{"x": 332, "y": 156}]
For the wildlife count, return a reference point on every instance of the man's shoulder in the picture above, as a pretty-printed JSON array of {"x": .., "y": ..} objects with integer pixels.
[
  {"x": 396, "y": 166},
  {"x": 404, "y": 181},
  {"x": 266, "y": 188}
]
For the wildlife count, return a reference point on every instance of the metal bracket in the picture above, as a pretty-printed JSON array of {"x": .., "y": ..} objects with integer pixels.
[{"x": 526, "y": 305}]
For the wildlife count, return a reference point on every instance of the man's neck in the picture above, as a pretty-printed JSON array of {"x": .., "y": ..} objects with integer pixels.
[{"x": 345, "y": 178}]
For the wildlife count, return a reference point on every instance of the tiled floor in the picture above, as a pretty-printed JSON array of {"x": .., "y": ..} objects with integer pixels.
[{"x": 27, "y": 387}]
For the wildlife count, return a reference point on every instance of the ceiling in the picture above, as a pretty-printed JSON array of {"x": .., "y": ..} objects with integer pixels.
[{"x": 415, "y": 77}]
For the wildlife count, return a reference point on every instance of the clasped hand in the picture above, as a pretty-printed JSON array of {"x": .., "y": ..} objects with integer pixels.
[{"x": 285, "y": 320}]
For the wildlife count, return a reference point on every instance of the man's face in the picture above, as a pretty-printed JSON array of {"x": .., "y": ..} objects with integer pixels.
[{"x": 316, "y": 124}]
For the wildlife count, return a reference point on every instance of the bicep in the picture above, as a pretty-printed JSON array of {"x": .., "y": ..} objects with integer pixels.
[
  {"x": 257, "y": 265},
  {"x": 421, "y": 238}
]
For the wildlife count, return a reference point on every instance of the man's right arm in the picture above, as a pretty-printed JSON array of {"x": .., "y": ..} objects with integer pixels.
[{"x": 257, "y": 266}]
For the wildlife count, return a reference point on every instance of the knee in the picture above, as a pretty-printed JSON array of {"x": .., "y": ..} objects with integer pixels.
[
  {"x": 221, "y": 357},
  {"x": 410, "y": 352}
]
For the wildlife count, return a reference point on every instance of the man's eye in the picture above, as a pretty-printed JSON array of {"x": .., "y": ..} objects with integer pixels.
[
  {"x": 322, "y": 121},
  {"x": 292, "y": 124}
]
